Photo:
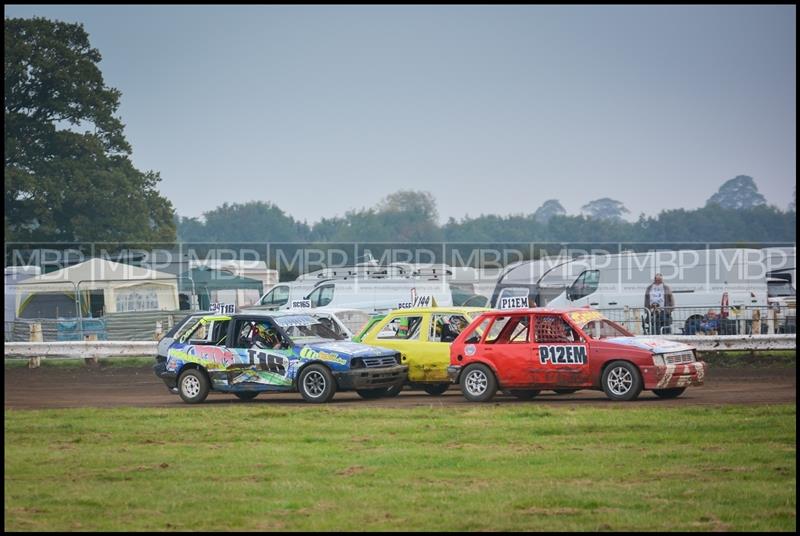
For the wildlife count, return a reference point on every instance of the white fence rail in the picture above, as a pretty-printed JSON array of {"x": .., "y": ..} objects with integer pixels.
[
  {"x": 723, "y": 343},
  {"x": 89, "y": 349},
  {"x": 112, "y": 349}
]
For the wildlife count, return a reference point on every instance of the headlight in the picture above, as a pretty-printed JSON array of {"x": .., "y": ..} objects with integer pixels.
[
  {"x": 356, "y": 362},
  {"x": 658, "y": 360}
]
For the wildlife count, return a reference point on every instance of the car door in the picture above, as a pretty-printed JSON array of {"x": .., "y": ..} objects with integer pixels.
[
  {"x": 507, "y": 346},
  {"x": 434, "y": 348},
  {"x": 560, "y": 353},
  {"x": 401, "y": 332},
  {"x": 256, "y": 368}
]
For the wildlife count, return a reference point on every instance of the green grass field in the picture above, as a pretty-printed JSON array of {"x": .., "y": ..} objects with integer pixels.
[{"x": 484, "y": 467}]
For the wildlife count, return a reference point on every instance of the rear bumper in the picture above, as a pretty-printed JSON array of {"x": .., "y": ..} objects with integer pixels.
[
  {"x": 671, "y": 376},
  {"x": 371, "y": 378},
  {"x": 170, "y": 378},
  {"x": 453, "y": 372}
]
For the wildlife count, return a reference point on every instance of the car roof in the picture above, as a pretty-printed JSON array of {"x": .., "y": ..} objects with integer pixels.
[
  {"x": 441, "y": 309},
  {"x": 539, "y": 310}
]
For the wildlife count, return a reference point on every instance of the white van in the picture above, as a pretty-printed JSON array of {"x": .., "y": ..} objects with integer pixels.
[
  {"x": 698, "y": 279},
  {"x": 280, "y": 295},
  {"x": 780, "y": 263},
  {"x": 377, "y": 296}
]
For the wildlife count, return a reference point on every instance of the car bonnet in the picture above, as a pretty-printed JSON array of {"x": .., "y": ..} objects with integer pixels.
[{"x": 652, "y": 344}]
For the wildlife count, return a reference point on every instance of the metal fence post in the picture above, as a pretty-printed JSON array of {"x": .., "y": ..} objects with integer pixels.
[{"x": 35, "y": 336}]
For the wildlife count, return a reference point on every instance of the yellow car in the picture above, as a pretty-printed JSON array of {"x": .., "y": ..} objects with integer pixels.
[{"x": 422, "y": 336}]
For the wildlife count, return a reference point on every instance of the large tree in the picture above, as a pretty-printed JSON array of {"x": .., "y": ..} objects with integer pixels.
[
  {"x": 550, "y": 208},
  {"x": 605, "y": 209},
  {"x": 62, "y": 184},
  {"x": 738, "y": 192}
]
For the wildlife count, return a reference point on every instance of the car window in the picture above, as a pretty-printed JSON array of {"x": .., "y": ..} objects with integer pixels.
[
  {"x": 553, "y": 328},
  {"x": 477, "y": 332},
  {"x": 402, "y": 328},
  {"x": 209, "y": 332},
  {"x": 603, "y": 329},
  {"x": 199, "y": 332},
  {"x": 321, "y": 296},
  {"x": 276, "y": 296},
  {"x": 446, "y": 327},
  {"x": 509, "y": 330}
]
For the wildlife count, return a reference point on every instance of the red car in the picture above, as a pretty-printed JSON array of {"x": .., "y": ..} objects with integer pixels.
[{"x": 524, "y": 351}]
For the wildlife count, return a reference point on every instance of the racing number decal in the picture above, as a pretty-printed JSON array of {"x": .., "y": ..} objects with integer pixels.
[
  {"x": 562, "y": 354},
  {"x": 269, "y": 362}
]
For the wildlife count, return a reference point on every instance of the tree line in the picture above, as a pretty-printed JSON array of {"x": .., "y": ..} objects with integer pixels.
[
  {"x": 408, "y": 216},
  {"x": 69, "y": 178}
]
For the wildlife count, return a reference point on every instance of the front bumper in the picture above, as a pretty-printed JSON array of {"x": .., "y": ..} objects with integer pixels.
[
  {"x": 453, "y": 372},
  {"x": 671, "y": 376},
  {"x": 170, "y": 378},
  {"x": 371, "y": 378}
]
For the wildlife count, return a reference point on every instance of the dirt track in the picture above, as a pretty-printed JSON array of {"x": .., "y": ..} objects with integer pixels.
[{"x": 139, "y": 387}]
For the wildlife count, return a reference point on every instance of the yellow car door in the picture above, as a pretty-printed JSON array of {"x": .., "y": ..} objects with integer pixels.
[
  {"x": 400, "y": 331},
  {"x": 432, "y": 355}
]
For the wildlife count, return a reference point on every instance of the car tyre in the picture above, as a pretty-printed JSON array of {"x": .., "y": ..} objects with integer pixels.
[
  {"x": 246, "y": 395},
  {"x": 193, "y": 386},
  {"x": 478, "y": 383},
  {"x": 669, "y": 393},
  {"x": 371, "y": 394},
  {"x": 394, "y": 390},
  {"x": 437, "y": 389},
  {"x": 316, "y": 384},
  {"x": 525, "y": 394},
  {"x": 622, "y": 381}
]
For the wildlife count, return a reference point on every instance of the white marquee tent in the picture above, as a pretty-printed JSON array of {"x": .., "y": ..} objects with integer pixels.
[{"x": 104, "y": 287}]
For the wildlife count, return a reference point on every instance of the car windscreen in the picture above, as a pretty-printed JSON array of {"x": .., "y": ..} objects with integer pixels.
[
  {"x": 604, "y": 329},
  {"x": 305, "y": 328},
  {"x": 780, "y": 289}
]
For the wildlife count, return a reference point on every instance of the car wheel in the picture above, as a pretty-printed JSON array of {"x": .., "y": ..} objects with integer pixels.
[
  {"x": 246, "y": 395},
  {"x": 524, "y": 394},
  {"x": 622, "y": 381},
  {"x": 394, "y": 390},
  {"x": 478, "y": 383},
  {"x": 193, "y": 386},
  {"x": 316, "y": 384},
  {"x": 565, "y": 391},
  {"x": 669, "y": 393},
  {"x": 436, "y": 389},
  {"x": 371, "y": 394}
]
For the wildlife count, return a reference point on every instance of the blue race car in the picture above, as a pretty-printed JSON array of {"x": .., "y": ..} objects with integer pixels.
[{"x": 251, "y": 352}]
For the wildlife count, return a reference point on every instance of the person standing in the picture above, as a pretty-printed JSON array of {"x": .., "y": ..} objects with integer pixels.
[{"x": 659, "y": 301}]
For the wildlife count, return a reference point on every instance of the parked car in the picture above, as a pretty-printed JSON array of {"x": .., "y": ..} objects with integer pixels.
[
  {"x": 423, "y": 336},
  {"x": 525, "y": 351},
  {"x": 256, "y": 351}
]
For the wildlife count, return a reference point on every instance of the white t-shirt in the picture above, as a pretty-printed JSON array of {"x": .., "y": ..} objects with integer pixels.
[{"x": 657, "y": 295}]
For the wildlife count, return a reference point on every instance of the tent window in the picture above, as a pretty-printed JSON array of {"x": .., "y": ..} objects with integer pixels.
[{"x": 137, "y": 300}]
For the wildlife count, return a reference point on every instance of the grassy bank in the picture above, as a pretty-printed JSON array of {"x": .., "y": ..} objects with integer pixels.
[{"x": 479, "y": 468}]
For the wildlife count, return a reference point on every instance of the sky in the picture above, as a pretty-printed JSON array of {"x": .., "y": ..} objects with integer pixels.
[{"x": 492, "y": 109}]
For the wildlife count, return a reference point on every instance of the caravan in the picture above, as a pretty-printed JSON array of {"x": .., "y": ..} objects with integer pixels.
[{"x": 700, "y": 280}]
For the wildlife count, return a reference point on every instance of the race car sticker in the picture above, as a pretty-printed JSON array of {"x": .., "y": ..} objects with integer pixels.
[
  {"x": 562, "y": 354},
  {"x": 469, "y": 350},
  {"x": 584, "y": 317},
  {"x": 268, "y": 361},
  {"x": 308, "y": 353}
]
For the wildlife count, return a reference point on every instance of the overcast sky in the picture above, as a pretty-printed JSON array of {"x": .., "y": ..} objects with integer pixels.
[{"x": 493, "y": 109}]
